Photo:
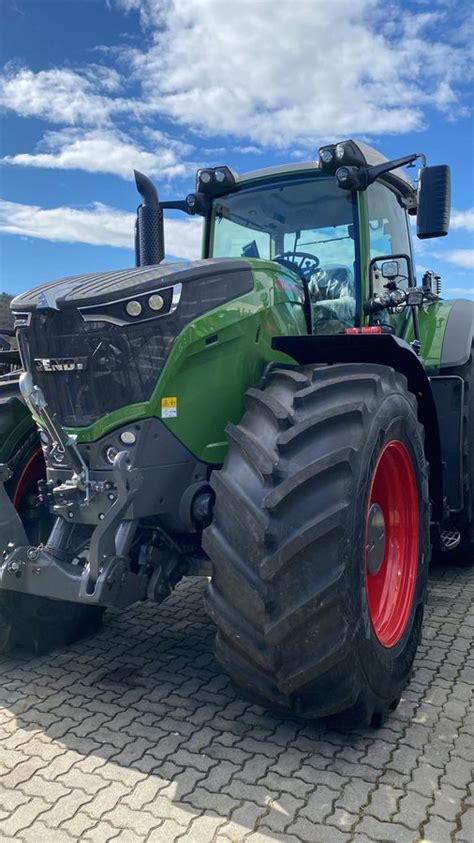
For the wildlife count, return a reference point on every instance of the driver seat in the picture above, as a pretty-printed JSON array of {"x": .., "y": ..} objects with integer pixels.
[{"x": 333, "y": 282}]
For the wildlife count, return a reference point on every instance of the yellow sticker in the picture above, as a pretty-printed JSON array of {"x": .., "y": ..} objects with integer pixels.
[{"x": 169, "y": 408}]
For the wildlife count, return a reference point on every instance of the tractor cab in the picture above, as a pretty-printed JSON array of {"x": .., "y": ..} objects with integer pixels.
[
  {"x": 335, "y": 223},
  {"x": 304, "y": 222}
]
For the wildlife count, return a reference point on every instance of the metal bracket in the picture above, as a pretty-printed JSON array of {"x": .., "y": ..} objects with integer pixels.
[
  {"x": 127, "y": 483},
  {"x": 36, "y": 402}
]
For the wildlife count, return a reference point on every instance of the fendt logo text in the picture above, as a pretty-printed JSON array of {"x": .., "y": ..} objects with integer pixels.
[{"x": 63, "y": 364}]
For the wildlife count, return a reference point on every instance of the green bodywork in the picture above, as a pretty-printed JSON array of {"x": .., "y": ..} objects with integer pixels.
[
  {"x": 196, "y": 373},
  {"x": 433, "y": 320}
]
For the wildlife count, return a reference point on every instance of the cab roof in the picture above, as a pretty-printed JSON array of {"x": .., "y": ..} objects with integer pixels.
[{"x": 372, "y": 156}]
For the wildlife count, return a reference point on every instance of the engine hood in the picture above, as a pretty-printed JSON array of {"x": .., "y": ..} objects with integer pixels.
[{"x": 102, "y": 287}]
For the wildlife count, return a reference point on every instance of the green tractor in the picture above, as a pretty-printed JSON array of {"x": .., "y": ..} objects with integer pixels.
[{"x": 291, "y": 415}]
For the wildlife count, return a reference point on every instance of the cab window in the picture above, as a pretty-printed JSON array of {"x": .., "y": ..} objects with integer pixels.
[
  {"x": 388, "y": 224},
  {"x": 309, "y": 225},
  {"x": 234, "y": 239}
]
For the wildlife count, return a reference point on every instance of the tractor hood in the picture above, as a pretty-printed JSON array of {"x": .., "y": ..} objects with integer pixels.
[
  {"x": 94, "y": 343},
  {"x": 108, "y": 287}
]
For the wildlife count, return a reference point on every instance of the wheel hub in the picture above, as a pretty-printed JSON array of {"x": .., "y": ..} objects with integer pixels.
[{"x": 375, "y": 538}]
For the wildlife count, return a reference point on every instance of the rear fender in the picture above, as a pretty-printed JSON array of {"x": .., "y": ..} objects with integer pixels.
[
  {"x": 386, "y": 350},
  {"x": 458, "y": 336}
]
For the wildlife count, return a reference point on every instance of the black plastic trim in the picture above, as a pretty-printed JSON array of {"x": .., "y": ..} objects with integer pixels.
[{"x": 448, "y": 393}]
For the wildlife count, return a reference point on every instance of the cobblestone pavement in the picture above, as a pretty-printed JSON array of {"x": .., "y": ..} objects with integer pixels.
[{"x": 136, "y": 735}]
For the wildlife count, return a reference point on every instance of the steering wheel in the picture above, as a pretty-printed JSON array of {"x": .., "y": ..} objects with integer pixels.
[{"x": 304, "y": 263}]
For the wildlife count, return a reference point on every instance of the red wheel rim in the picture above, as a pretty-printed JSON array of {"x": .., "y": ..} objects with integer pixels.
[
  {"x": 33, "y": 471},
  {"x": 392, "y": 542}
]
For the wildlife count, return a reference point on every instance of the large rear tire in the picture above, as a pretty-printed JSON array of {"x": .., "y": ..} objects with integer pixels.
[
  {"x": 320, "y": 543},
  {"x": 27, "y": 622}
]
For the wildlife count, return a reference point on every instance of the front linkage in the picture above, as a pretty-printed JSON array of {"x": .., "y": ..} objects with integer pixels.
[{"x": 106, "y": 578}]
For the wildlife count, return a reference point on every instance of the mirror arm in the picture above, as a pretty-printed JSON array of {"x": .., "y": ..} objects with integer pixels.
[
  {"x": 195, "y": 203},
  {"x": 178, "y": 205},
  {"x": 373, "y": 173}
]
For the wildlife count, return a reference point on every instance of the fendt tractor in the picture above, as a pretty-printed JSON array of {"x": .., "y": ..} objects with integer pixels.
[{"x": 291, "y": 415}]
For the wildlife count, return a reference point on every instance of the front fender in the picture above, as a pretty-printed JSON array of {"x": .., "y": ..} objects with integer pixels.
[
  {"x": 12, "y": 533},
  {"x": 386, "y": 350},
  {"x": 16, "y": 421}
]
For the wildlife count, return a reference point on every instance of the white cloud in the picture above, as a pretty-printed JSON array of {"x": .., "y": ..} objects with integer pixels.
[
  {"x": 103, "y": 151},
  {"x": 300, "y": 72},
  {"x": 463, "y": 219},
  {"x": 458, "y": 292},
  {"x": 61, "y": 95},
  {"x": 460, "y": 257},
  {"x": 98, "y": 225}
]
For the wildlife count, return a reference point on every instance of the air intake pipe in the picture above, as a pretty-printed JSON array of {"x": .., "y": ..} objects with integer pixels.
[{"x": 149, "y": 229}]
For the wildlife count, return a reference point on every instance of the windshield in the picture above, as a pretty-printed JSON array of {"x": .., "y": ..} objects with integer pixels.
[{"x": 308, "y": 225}]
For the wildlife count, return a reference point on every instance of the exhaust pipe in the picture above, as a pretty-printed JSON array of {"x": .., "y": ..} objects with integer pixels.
[{"x": 149, "y": 229}]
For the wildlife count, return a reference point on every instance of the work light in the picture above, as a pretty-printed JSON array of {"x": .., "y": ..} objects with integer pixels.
[
  {"x": 350, "y": 178},
  {"x": 214, "y": 181},
  {"x": 326, "y": 154},
  {"x": 348, "y": 151}
]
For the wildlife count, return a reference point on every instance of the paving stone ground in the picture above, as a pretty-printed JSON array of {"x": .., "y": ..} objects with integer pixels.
[{"x": 137, "y": 735}]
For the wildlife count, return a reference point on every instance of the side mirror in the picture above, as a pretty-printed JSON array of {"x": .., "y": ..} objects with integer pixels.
[
  {"x": 149, "y": 227},
  {"x": 434, "y": 202},
  {"x": 390, "y": 270}
]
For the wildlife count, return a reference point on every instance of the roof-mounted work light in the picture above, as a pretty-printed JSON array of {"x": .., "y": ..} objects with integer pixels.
[
  {"x": 346, "y": 152},
  {"x": 215, "y": 181}
]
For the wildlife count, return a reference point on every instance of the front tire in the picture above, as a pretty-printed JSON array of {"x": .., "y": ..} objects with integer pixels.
[{"x": 325, "y": 461}]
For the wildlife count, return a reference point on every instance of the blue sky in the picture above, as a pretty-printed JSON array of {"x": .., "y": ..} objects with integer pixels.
[{"x": 90, "y": 89}]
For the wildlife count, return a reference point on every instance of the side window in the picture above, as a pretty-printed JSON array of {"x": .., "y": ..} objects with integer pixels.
[{"x": 388, "y": 226}]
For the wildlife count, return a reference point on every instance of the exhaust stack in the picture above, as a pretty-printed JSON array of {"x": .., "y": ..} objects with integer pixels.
[{"x": 149, "y": 229}]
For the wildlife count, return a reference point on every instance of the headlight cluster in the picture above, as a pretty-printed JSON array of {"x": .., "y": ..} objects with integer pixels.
[
  {"x": 215, "y": 180},
  {"x": 138, "y": 308},
  {"x": 135, "y": 308},
  {"x": 346, "y": 162},
  {"x": 329, "y": 154},
  {"x": 345, "y": 152}
]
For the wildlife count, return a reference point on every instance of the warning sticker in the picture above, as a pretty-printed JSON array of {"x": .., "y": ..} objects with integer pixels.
[{"x": 169, "y": 409}]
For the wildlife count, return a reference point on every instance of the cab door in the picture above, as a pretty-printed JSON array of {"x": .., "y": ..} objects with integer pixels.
[{"x": 389, "y": 234}]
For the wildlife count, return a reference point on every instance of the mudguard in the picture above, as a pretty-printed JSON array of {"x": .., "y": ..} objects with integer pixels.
[
  {"x": 387, "y": 350},
  {"x": 459, "y": 335}
]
